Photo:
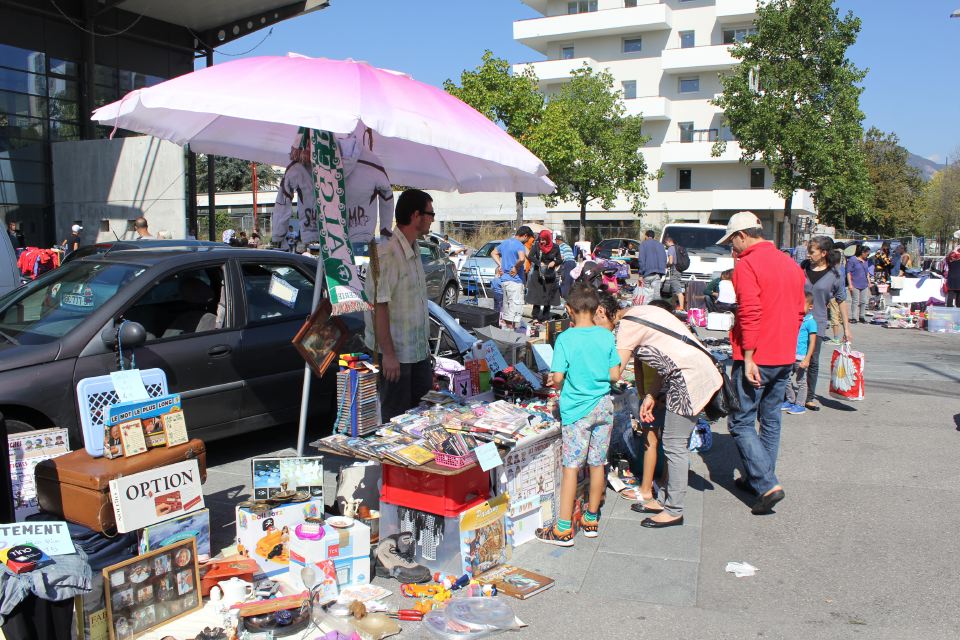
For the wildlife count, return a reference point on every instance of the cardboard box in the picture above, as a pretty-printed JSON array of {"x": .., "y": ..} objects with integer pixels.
[
  {"x": 264, "y": 537},
  {"x": 348, "y": 548}
]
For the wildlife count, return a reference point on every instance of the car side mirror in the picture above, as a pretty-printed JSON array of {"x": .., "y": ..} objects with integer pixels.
[{"x": 131, "y": 334}]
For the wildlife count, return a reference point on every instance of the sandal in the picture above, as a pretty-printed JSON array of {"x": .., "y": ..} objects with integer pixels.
[{"x": 630, "y": 493}]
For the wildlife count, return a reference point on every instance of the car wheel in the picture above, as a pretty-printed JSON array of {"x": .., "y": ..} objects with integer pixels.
[{"x": 449, "y": 295}]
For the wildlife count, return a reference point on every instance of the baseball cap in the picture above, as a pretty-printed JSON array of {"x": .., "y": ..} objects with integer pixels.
[
  {"x": 76, "y": 228},
  {"x": 740, "y": 222}
]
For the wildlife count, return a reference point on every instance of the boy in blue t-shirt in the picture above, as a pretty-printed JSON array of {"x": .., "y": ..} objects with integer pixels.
[
  {"x": 797, "y": 385},
  {"x": 585, "y": 363}
]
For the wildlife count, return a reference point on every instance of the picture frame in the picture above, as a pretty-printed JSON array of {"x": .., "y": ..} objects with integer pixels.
[
  {"x": 321, "y": 338},
  {"x": 271, "y": 476},
  {"x": 152, "y": 589}
]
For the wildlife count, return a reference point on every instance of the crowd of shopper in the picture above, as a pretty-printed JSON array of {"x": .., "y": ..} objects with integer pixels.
[{"x": 784, "y": 311}]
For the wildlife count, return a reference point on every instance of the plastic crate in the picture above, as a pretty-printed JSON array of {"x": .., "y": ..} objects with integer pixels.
[
  {"x": 452, "y": 461},
  {"x": 434, "y": 492},
  {"x": 95, "y": 395}
]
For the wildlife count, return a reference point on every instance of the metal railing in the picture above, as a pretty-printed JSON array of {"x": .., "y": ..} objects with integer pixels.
[{"x": 699, "y": 135}]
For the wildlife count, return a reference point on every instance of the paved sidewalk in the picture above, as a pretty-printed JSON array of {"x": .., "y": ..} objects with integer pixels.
[{"x": 863, "y": 546}]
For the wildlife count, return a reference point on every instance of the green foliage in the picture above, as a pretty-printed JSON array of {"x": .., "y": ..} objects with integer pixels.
[
  {"x": 233, "y": 174},
  {"x": 591, "y": 149},
  {"x": 897, "y": 187},
  {"x": 512, "y": 101},
  {"x": 941, "y": 202},
  {"x": 802, "y": 118}
]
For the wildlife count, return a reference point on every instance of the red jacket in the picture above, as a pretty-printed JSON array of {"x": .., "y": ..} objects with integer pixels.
[{"x": 770, "y": 305}]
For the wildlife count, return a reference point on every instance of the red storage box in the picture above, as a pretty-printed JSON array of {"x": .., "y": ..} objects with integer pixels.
[{"x": 433, "y": 488}]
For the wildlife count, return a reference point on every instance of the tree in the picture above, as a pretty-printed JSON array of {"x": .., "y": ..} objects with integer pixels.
[
  {"x": 897, "y": 186},
  {"x": 233, "y": 174},
  {"x": 941, "y": 204},
  {"x": 512, "y": 101},
  {"x": 794, "y": 101},
  {"x": 590, "y": 147}
]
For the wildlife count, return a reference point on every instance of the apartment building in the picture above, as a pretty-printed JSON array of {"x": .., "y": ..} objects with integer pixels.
[{"x": 666, "y": 56}]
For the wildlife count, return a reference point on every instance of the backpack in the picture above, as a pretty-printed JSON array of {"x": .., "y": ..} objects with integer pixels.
[{"x": 683, "y": 259}]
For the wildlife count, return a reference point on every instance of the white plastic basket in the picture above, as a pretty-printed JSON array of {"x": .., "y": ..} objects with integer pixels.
[{"x": 94, "y": 395}]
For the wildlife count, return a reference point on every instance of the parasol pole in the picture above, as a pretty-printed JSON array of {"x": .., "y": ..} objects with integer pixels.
[{"x": 307, "y": 372}]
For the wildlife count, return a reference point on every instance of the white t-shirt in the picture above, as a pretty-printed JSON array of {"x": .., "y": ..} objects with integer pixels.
[
  {"x": 726, "y": 292},
  {"x": 369, "y": 193},
  {"x": 297, "y": 180}
]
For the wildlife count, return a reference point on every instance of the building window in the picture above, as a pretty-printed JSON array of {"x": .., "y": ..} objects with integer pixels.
[
  {"x": 566, "y": 53},
  {"x": 632, "y": 45},
  {"x": 686, "y": 131},
  {"x": 687, "y": 39},
  {"x": 684, "y": 179},
  {"x": 690, "y": 85},
  {"x": 582, "y": 6},
  {"x": 738, "y": 34},
  {"x": 629, "y": 89},
  {"x": 756, "y": 178},
  {"x": 629, "y": 4}
]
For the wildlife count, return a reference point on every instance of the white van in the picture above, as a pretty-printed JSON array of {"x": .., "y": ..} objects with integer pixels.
[
  {"x": 707, "y": 258},
  {"x": 9, "y": 272}
]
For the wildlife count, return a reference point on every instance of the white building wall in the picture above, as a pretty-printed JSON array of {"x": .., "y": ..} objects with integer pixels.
[{"x": 720, "y": 185}]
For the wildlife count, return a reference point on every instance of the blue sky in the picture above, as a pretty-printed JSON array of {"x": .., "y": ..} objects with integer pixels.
[{"x": 911, "y": 48}]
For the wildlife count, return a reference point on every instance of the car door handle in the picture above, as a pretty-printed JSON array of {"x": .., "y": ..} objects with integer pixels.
[{"x": 219, "y": 350}]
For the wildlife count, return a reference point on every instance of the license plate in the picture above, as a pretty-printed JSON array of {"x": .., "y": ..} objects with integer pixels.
[{"x": 76, "y": 300}]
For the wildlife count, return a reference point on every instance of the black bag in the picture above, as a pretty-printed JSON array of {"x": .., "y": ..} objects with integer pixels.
[
  {"x": 725, "y": 401},
  {"x": 683, "y": 259}
]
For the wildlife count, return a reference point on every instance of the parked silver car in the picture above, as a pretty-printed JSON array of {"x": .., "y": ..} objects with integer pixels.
[
  {"x": 442, "y": 284},
  {"x": 480, "y": 267}
]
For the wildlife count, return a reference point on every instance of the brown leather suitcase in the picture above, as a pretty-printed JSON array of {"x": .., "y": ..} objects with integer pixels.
[{"x": 76, "y": 486}]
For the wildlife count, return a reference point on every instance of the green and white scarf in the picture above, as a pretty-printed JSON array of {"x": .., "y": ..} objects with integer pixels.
[{"x": 343, "y": 281}]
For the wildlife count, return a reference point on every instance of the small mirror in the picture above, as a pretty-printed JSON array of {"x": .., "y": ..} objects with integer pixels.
[{"x": 132, "y": 335}]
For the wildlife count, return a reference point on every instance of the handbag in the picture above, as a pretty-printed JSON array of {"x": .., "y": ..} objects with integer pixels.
[{"x": 725, "y": 401}]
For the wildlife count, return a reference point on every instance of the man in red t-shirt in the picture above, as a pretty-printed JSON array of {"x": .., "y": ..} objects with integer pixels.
[{"x": 769, "y": 287}]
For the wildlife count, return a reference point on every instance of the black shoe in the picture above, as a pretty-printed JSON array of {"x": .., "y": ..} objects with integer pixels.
[
  {"x": 742, "y": 484},
  {"x": 812, "y": 406},
  {"x": 650, "y": 523},
  {"x": 766, "y": 502},
  {"x": 640, "y": 507}
]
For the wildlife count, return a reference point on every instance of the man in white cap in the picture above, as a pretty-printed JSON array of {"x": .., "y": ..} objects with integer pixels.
[
  {"x": 770, "y": 295},
  {"x": 72, "y": 243}
]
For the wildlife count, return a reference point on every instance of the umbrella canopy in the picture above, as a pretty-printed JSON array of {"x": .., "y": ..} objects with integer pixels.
[{"x": 253, "y": 108}]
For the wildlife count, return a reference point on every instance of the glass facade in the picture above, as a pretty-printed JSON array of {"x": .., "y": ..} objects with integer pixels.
[{"x": 40, "y": 104}]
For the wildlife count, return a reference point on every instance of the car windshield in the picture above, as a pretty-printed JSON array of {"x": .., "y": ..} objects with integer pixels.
[
  {"x": 485, "y": 250},
  {"x": 50, "y": 306},
  {"x": 697, "y": 238}
]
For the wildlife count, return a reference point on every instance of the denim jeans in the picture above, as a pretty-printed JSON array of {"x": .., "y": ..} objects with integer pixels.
[
  {"x": 813, "y": 371},
  {"x": 758, "y": 451}
]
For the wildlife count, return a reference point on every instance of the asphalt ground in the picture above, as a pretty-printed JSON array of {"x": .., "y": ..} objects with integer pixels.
[{"x": 864, "y": 545}]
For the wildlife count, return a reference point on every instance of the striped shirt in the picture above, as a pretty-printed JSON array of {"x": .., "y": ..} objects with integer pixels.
[{"x": 403, "y": 285}]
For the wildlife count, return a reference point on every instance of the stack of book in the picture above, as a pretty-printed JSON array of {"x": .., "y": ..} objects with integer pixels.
[{"x": 358, "y": 412}]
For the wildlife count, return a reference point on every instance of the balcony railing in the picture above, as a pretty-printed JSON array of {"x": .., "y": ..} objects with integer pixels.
[
  {"x": 709, "y": 57},
  {"x": 538, "y": 33},
  {"x": 699, "y": 135}
]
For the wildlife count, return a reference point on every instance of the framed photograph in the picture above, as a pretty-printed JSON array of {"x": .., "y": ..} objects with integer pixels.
[
  {"x": 276, "y": 475},
  {"x": 152, "y": 589},
  {"x": 320, "y": 339}
]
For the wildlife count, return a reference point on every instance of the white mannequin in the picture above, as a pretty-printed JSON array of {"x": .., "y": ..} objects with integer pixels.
[
  {"x": 297, "y": 179},
  {"x": 369, "y": 193}
]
